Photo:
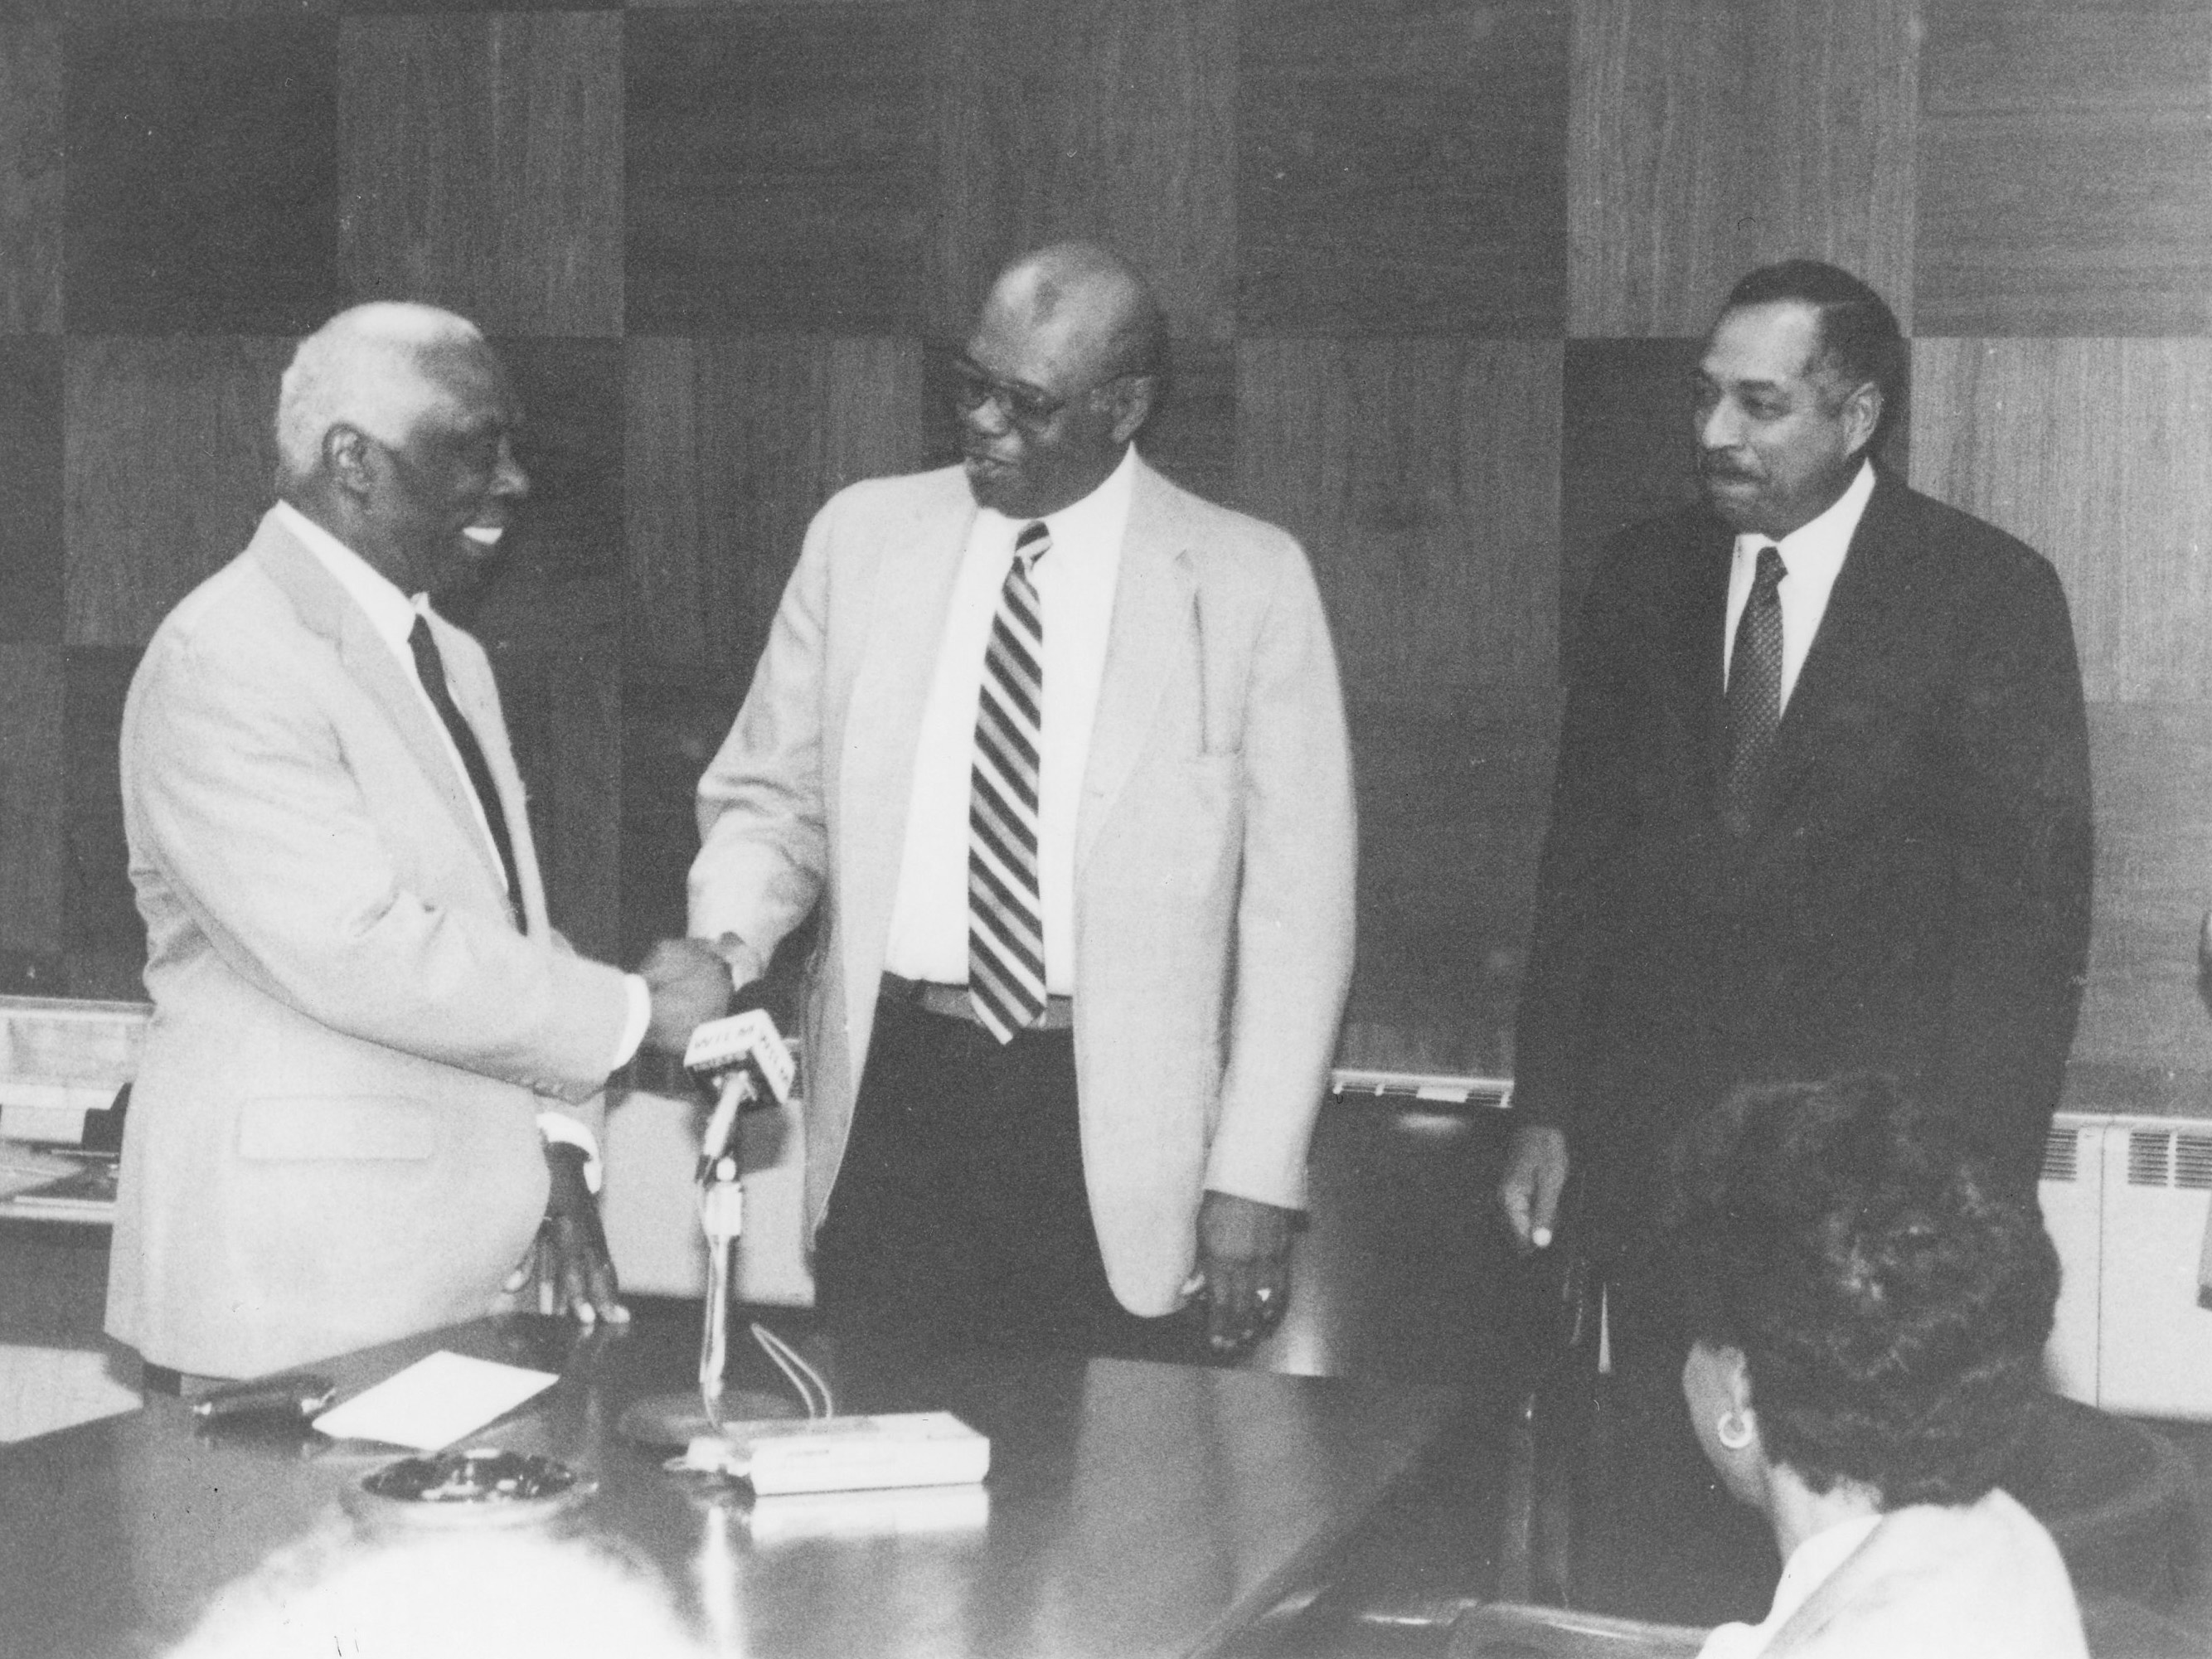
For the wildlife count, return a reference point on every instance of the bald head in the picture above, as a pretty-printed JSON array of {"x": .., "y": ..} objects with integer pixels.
[
  {"x": 1064, "y": 368},
  {"x": 1096, "y": 299}
]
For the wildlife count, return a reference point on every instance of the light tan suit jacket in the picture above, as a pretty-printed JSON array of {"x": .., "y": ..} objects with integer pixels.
[
  {"x": 1214, "y": 843},
  {"x": 332, "y": 1137}
]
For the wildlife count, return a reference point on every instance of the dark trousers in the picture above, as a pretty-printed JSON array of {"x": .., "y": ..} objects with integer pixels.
[
  {"x": 1656, "y": 1534},
  {"x": 959, "y": 1213}
]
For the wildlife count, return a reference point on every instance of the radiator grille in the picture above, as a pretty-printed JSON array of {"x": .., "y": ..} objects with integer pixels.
[
  {"x": 2169, "y": 1158},
  {"x": 2061, "y": 1154}
]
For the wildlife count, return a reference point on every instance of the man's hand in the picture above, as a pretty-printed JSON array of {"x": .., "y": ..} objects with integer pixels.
[
  {"x": 691, "y": 985},
  {"x": 568, "y": 1259},
  {"x": 1529, "y": 1191},
  {"x": 1244, "y": 1258}
]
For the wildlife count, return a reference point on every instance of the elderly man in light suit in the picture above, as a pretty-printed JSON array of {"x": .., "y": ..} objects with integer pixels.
[
  {"x": 1060, "y": 750},
  {"x": 363, "y": 1023}
]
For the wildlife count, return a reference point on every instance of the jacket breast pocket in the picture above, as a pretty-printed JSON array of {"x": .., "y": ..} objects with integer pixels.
[{"x": 302, "y": 1128}]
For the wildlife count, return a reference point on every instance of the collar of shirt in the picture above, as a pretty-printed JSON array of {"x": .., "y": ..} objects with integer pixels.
[
  {"x": 391, "y": 614},
  {"x": 1097, "y": 520},
  {"x": 1811, "y": 1564},
  {"x": 1075, "y": 583},
  {"x": 1813, "y": 556}
]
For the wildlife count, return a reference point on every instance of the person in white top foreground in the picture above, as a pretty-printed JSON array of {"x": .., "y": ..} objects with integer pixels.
[{"x": 1868, "y": 1312}]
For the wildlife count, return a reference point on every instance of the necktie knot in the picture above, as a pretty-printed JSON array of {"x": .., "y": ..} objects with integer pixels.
[
  {"x": 1032, "y": 545},
  {"x": 1768, "y": 575}
]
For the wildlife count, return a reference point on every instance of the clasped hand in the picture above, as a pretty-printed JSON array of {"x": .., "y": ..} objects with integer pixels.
[{"x": 691, "y": 985}]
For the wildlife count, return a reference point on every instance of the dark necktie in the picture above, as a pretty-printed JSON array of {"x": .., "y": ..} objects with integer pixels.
[
  {"x": 431, "y": 667},
  {"x": 1754, "y": 688},
  {"x": 1005, "y": 911}
]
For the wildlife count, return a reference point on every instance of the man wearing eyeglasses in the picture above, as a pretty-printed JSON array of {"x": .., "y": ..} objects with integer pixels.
[{"x": 1059, "y": 747}]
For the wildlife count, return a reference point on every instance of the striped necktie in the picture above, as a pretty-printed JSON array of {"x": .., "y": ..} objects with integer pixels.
[
  {"x": 1754, "y": 688},
  {"x": 1006, "y": 914}
]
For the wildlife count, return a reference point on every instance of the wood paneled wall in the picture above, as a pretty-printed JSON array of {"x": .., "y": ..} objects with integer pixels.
[{"x": 1435, "y": 271}]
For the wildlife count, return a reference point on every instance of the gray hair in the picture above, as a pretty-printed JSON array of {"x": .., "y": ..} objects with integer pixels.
[{"x": 365, "y": 367}]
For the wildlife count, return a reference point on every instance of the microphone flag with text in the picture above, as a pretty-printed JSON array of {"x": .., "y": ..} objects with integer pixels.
[{"x": 746, "y": 1060}]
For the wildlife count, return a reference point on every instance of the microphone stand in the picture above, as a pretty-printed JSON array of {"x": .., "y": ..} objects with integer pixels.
[
  {"x": 721, "y": 1218},
  {"x": 677, "y": 1420}
]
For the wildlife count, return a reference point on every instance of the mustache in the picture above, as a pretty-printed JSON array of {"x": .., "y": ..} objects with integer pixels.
[{"x": 1719, "y": 466}]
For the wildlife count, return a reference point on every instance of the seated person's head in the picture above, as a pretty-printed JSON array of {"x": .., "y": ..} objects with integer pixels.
[
  {"x": 1867, "y": 1309},
  {"x": 446, "y": 1595}
]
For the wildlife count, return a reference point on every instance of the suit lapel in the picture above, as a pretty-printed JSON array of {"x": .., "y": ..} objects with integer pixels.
[
  {"x": 1153, "y": 597},
  {"x": 1861, "y": 659},
  {"x": 916, "y": 563},
  {"x": 1700, "y": 646},
  {"x": 325, "y": 608}
]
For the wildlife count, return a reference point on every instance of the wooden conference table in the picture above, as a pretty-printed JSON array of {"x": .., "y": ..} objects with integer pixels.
[{"x": 1130, "y": 1509}]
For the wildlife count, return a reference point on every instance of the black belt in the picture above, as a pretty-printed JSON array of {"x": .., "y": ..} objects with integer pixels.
[{"x": 952, "y": 1002}]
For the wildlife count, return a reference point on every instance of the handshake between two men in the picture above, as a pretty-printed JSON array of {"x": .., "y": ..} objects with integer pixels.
[
  {"x": 355, "y": 969},
  {"x": 689, "y": 986},
  {"x": 1242, "y": 1285}
]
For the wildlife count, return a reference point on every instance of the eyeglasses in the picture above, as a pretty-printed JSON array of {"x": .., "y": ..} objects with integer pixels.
[{"x": 1024, "y": 405}]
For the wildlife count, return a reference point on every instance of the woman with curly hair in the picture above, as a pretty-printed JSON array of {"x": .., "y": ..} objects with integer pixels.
[{"x": 1868, "y": 1311}]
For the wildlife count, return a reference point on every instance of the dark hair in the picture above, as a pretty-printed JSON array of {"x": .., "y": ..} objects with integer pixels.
[
  {"x": 1859, "y": 340},
  {"x": 1890, "y": 1296}
]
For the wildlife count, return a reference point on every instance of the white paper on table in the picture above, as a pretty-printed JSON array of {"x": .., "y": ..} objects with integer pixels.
[{"x": 435, "y": 1401}]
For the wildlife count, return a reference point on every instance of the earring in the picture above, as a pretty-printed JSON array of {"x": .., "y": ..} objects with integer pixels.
[{"x": 1733, "y": 1431}]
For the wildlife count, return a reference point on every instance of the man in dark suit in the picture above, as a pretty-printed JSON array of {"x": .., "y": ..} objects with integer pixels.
[
  {"x": 1822, "y": 801},
  {"x": 1823, "y": 788}
]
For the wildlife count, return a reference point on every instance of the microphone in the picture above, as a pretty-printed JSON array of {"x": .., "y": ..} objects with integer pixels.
[
  {"x": 745, "y": 1060},
  {"x": 750, "y": 1064}
]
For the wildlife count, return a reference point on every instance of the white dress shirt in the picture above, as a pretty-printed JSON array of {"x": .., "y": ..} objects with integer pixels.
[
  {"x": 1813, "y": 557},
  {"x": 1075, "y": 583},
  {"x": 392, "y": 614}
]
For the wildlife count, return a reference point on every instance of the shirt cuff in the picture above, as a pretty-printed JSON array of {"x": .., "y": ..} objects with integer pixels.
[
  {"x": 634, "y": 1023},
  {"x": 559, "y": 1129}
]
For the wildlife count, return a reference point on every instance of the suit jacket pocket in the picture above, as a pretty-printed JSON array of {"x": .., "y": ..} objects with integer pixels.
[{"x": 390, "y": 1126}]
